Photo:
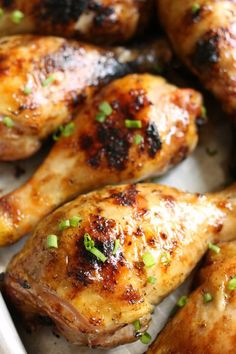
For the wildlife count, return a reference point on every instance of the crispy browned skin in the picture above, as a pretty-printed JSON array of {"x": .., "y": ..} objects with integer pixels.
[
  {"x": 105, "y": 153},
  {"x": 200, "y": 327},
  {"x": 77, "y": 70},
  {"x": 96, "y": 303},
  {"x": 103, "y": 21},
  {"x": 204, "y": 38}
]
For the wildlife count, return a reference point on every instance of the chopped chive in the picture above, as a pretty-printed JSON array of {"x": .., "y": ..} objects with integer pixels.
[
  {"x": 148, "y": 260},
  {"x": 1, "y": 12},
  {"x": 105, "y": 108},
  {"x": 182, "y": 301},
  {"x": 151, "y": 280},
  {"x": 138, "y": 139},
  {"x": 100, "y": 256},
  {"x": 165, "y": 258},
  {"x": 27, "y": 90},
  {"x": 68, "y": 129},
  {"x": 133, "y": 124},
  {"x": 89, "y": 246},
  {"x": 17, "y": 16},
  {"x": 195, "y": 8},
  {"x": 137, "y": 325},
  {"x": 8, "y": 122},
  {"x": 203, "y": 112},
  {"x": 48, "y": 81},
  {"x": 75, "y": 221},
  {"x": 232, "y": 284},
  {"x": 207, "y": 297},
  {"x": 88, "y": 242},
  {"x": 52, "y": 241},
  {"x": 116, "y": 247},
  {"x": 100, "y": 117},
  {"x": 145, "y": 338},
  {"x": 64, "y": 224},
  {"x": 213, "y": 247}
]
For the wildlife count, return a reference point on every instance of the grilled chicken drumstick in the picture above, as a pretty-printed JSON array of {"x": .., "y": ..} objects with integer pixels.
[
  {"x": 103, "y": 21},
  {"x": 45, "y": 79},
  {"x": 134, "y": 128},
  {"x": 207, "y": 323},
  {"x": 203, "y": 34},
  {"x": 101, "y": 262}
]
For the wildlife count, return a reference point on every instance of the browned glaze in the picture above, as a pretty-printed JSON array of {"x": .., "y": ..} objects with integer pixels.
[
  {"x": 203, "y": 34},
  {"x": 93, "y": 301},
  {"x": 108, "y": 152},
  {"x": 53, "y": 78},
  {"x": 103, "y": 21},
  {"x": 205, "y": 327}
]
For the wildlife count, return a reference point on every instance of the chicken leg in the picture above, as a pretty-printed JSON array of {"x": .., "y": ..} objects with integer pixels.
[
  {"x": 44, "y": 80},
  {"x": 136, "y": 127},
  {"x": 115, "y": 254},
  {"x": 103, "y": 21},
  {"x": 207, "y": 324},
  {"x": 203, "y": 35}
]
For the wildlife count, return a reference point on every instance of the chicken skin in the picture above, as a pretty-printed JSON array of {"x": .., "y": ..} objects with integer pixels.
[
  {"x": 207, "y": 323},
  {"x": 134, "y": 128},
  {"x": 203, "y": 35},
  {"x": 44, "y": 80},
  {"x": 103, "y": 21},
  {"x": 117, "y": 252}
]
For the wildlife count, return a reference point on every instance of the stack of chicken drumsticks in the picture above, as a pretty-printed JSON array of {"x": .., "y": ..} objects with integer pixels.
[{"x": 103, "y": 248}]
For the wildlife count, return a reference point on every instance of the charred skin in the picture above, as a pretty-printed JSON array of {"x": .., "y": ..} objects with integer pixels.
[
  {"x": 59, "y": 75},
  {"x": 100, "y": 153},
  {"x": 94, "y": 302},
  {"x": 204, "y": 38},
  {"x": 205, "y": 328},
  {"x": 100, "y": 21}
]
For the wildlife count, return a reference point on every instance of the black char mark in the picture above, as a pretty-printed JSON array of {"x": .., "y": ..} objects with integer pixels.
[
  {"x": 63, "y": 11},
  {"x": 102, "y": 13},
  {"x": 127, "y": 197},
  {"x": 206, "y": 52},
  {"x": 153, "y": 139},
  {"x": 114, "y": 144},
  {"x": 84, "y": 265}
]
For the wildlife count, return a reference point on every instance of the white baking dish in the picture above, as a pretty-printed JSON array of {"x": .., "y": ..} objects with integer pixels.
[{"x": 201, "y": 172}]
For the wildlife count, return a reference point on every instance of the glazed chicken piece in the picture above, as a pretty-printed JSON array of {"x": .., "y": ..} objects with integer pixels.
[
  {"x": 103, "y": 21},
  {"x": 44, "y": 80},
  {"x": 134, "y": 128},
  {"x": 203, "y": 35},
  {"x": 117, "y": 252},
  {"x": 207, "y": 324}
]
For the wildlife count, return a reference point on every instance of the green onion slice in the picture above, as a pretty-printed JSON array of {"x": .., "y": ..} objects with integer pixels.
[
  {"x": 48, "y": 81},
  {"x": 8, "y": 122},
  {"x": 182, "y": 301},
  {"x": 151, "y": 280},
  {"x": 27, "y": 90},
  {"x": 100, "y": 117},
  {"x": 195, "y": 8},
  {"x": 17, "y": 16},
  {"x": 138, "y": 139},
  {"x": 52, "y": 241},
  {"x": 213, "y": 247},
  {"x": 146, "y": 338},
  {"x": 148, "y": 260},
  {"x": 207, "y": 297},
  {"x": 116, "y": 247},
  {"x": 105, "y": 108},
  {"x": 137, "y": 325},
  {"x": 75, "y": 221},
  {"x": 232, "y": 284},
  {"x": 133, "y": 124},
  {"x": 165, "y": 258},
  {"x": 89, "y": 246}
]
